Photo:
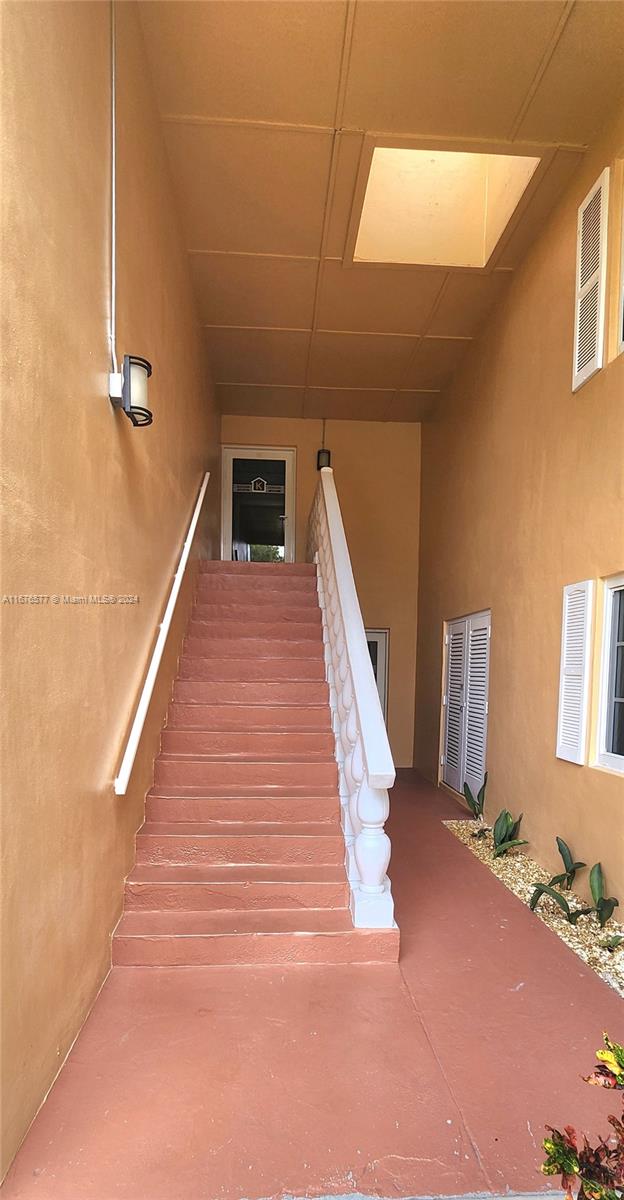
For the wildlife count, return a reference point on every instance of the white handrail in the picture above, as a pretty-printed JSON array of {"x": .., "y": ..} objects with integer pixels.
[
  {"x": 375, "y": 745},
  {"x": 127, "y": 762},
  {"x": 363, "y": 754}
]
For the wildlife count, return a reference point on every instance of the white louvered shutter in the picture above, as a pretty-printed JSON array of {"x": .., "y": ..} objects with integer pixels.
[
  {"x": 454, "y": 704},
  {"x": 477, "y": 676},
  {"x": 574, "y": 675},
  {"x": 591, "y": 282}
]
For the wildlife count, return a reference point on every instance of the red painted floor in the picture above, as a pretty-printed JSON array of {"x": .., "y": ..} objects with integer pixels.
[{"x": 433, "y": 1077}]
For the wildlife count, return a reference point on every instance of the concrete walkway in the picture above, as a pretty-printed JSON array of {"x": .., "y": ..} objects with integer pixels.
[{"x": 431, "y": 1078}]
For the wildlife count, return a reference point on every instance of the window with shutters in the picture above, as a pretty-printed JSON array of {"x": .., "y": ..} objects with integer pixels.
[
  {"x": 591, "y": 282},
  {"x": 465, "y": 701},
  {"x": 574, "y": 671},
  {"x": 611, "y": 718}
]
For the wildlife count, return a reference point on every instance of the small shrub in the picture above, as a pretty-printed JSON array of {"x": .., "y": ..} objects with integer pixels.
[
  {"x": 571, "y": 867},
  {"x": 571, "y": 914},
  {"x": 603, "y": 906},
  {"x": 476, "y": 803},
  {"x": 611, "y": 943},
  {"x": 506, "y": 832},
  {"x": 591, "y": 1172}
]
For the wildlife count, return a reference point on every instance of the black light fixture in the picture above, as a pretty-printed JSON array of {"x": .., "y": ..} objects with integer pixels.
[
  {"x": 128, "y": 389},
  {"x": 323, "y": 456}
]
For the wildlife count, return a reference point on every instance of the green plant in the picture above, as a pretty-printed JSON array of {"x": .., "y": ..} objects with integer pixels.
[
  {"x": 506, "y": 832},
  {"x": 604, "y": 906},
  {"x": 591, "y": 1172},
  {"x": 571, "y": 914},
  {"x": 611, "y": 943},
  {"x": 571, "y": 867},
  {"x": 476, "y": 803},
  {"x": 566, "y": 878}
]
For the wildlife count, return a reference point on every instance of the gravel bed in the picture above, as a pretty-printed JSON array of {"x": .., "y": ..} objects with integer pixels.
[{"x": 520, "y": 874}]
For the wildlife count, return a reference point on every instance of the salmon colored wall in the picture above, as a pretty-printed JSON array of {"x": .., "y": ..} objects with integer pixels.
[
  {"x": 522, "y": 493},
  {"x": 92, "y": 506},
  {"x": 376, "y": 468}
]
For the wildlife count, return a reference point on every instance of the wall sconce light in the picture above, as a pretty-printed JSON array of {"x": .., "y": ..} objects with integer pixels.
[
  {"x": 128, "y": 389},
  {"x": 323, "y": 456}
]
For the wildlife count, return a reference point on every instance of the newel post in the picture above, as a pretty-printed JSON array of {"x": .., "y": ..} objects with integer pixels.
[{"x": 372, "y": 905}]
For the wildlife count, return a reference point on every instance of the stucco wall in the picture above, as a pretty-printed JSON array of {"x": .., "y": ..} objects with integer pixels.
[
  {"x": 92, "y": 505},
  {"x": 522, "y": 493},
  {"x": 376, "y": 468}
]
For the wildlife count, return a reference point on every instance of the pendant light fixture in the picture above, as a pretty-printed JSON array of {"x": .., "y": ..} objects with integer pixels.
[{"x": 323, "y": 456}]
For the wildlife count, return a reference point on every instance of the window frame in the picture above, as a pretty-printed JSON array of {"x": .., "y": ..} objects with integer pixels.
[{"x": 604, "y": 757}]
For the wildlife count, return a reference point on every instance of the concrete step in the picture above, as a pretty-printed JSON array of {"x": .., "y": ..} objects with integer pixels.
[
  {"x": 306, "y": 612},
  {"x": 217, "y": 585},
  {"x": 250, "y": 717},
  {"x": 226, "y": 692},
  {"x": 279, "y": 936},
  {"x": 288, "y": 807},
  {"x": 252, "y": 647},
  {"x": 207, "y": 888},
  {"x": 248, "y": 670},
  {"x": 224, "y": 775},
  {"x": 303, "y": 631},
  {"x": 215, "y": 566},
  {"x": 238, "y": 745},
  {"x": 183, "y": 843}
]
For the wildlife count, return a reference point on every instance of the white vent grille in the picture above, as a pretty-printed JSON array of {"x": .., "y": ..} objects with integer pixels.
[
  {"x": 591, "y": 280},
  {"x": 574, "y": 671},
  {"x": 455, "y": 698}
]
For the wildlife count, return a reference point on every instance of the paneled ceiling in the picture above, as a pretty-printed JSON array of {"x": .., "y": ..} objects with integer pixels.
[{"x": 270, "y": 110}]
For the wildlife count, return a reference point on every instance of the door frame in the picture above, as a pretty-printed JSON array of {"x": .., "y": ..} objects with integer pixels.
[
  {"x": 382, "y": 637},
  {"x": 286, "y": 454}
]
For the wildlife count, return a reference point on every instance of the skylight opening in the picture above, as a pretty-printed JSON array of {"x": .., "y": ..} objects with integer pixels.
[{"x": 438, "y": 207}]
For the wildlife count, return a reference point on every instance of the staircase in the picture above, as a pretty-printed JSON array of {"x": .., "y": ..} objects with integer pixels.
[{"x": 241, "y": 857}]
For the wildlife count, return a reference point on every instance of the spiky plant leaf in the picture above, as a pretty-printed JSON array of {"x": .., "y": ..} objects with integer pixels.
[
  {"x": 481, "y": 795},
  {"x": 605, "y": 908},
  {"x": 515, "y": 827},
  {"x": 505, "y": 846},
  {"x": 596, "y": 883},
  {"x": 578, "y": 912},
  {"x": 546, "y": 890},
  {"x": 502, "y": 827},
  {"x": 565, "y": 853},
  {"x": 470, "y": 800}
]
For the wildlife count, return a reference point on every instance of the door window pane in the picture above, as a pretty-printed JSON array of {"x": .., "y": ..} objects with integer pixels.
[{"x": 258, "y": 509}]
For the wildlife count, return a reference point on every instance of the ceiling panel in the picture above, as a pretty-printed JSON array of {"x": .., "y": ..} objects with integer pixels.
[
  {"x": 466, "y": 301},
  {"x": 439, "y": 68},
  {"x": 553, "y": 184},
  {"x": 584, "y": 79},
  {"x": 433, "y": 363},
  {"x": 260, "y": 60},
  {"x": 245, "y": 401},
  {"x": 241, "y": 289},
  {"x": 347, "y": 163},
  {"x": 376, "y": 299},
  {"x": 251, "y": 189},
  {"x": 348, "y": 404},
  {"x": 257, "y": 355},
  {"x": 354, "y": 360},
  {"x": 412, "y": 406}
]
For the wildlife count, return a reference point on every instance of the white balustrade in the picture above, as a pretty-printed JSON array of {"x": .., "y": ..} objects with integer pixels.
[{"x": 365, "y": 766}]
